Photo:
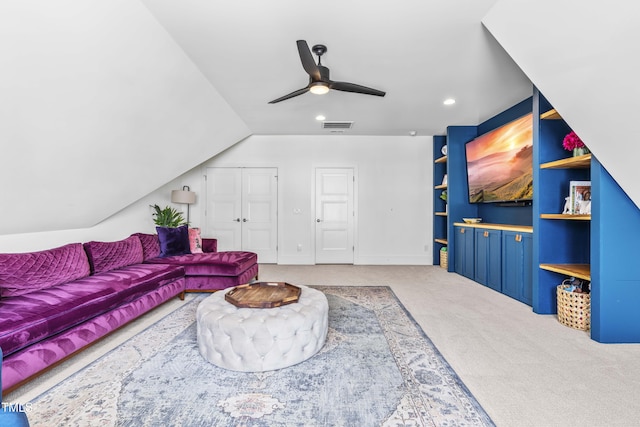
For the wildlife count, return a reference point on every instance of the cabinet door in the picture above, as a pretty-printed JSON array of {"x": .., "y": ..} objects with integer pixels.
[
  {"x": 517, "y": 271},
  {"x": 464, "y": 252},
  {"x": 482, "y": 256},
  {"x": 494, "y": 260},
  {"x": 526, "y": 295},
  {"x": 511, "y": 260},
  {"x": 488, "y": 258}
]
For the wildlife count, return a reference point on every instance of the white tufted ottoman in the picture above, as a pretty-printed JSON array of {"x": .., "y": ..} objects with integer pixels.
[{"x": 261, "y": 339}]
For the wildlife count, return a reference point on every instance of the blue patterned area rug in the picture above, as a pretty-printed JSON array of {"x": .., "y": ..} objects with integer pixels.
[{"x": 377, "y": 368}]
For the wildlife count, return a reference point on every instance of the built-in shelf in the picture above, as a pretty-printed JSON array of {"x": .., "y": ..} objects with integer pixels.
[
  {"x": 504, "y": 227},
  {"x": 441, "y": 187},
  {"x": 566, "y": 216},
  {"x": 578, "y": 162},
  {"x": 551, "y": 115},
  {"x": 441, "y": 213},
  {"x": 443, "y": 241},
  {"x": 442, "y": 159},
  {"x": 581, "y": 271}
]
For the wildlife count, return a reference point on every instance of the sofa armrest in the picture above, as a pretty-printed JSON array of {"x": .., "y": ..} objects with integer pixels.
[{"x": 209, "y": 245}]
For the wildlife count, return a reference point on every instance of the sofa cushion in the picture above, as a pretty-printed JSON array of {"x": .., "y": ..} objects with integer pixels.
[
  {"x": 106, "y": 256},
  {"x": 173, "y": 241},
  {"x": 27, "y": 272},
  {"x": 230, "y": 263},
  {"x": 150, "y": 245},
  {"x": 42, "y": 313},
  {"x": 195, "y": 241}
]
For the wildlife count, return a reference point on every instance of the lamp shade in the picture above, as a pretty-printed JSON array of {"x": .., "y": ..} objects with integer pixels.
[{"x": 183, "y": 196}]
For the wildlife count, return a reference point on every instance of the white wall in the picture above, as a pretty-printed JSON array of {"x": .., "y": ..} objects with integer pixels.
[
  {"x": 98, "y": 106},
  {"x": 394, "y": 197},
  {"x": 393, "y": 201}
]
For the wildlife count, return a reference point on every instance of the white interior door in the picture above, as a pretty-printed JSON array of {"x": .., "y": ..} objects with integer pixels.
[
  {"x": 242, "y": 210},
  {"x": 260, "y": 212},
  {"x": 334, "y": 216},
  {"x": 224, "y": 207}
]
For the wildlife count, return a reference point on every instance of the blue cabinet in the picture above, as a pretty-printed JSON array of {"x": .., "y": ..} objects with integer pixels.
[
  {"x": 517, "y": 265},
  {"x": 488, "y": 258},
  {"x": 464, "y": 252}
]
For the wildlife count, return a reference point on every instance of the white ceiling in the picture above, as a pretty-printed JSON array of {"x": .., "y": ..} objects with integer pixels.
[{"x": 418, "y": 51}]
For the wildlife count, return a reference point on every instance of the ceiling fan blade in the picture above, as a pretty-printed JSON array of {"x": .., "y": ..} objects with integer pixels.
[
  {"x": 291, "y": 95},
  {"x": 351, "y": 87},
  {"x": 308, "y": 63}
]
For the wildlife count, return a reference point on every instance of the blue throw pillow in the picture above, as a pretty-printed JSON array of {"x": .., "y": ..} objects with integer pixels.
[{"x": 173, "y": 241}]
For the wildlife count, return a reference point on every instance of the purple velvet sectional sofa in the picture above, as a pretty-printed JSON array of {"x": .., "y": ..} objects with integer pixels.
[{"x": 53, "y": 303}]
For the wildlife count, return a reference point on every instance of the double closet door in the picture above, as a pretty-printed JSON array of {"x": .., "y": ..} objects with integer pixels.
[{"x": 242, "y": 210}]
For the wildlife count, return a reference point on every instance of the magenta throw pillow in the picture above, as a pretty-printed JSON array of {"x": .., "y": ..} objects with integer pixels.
[
  {"x": 28, "y": 272},
  {"x": 150, "y": 245},
  {"x": 173, "y": 241},
  {"x": 107, "y": 256}
]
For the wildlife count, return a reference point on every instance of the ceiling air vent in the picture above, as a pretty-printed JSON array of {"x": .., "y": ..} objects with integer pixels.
[{"x": 337, "y": 125}]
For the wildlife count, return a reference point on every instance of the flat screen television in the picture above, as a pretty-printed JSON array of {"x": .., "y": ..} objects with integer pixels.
[{"x": 500, "y": 163}]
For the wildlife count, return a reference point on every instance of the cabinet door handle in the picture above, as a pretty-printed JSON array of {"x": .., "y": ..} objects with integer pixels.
[
  {"x": 518, "y": 237},
  {"x": 486, "y": 234},
  {"x": 462, "y": 231}
]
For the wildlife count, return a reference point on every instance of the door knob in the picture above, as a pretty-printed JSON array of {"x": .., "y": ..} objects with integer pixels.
[
  {"x": 244, "y": 219},
  {"x": 318, "y": 220},
  {"x": 237, "y": 220}
]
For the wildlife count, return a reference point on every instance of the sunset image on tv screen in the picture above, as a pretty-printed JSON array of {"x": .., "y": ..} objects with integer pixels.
[{"x": 500, "y": 163}]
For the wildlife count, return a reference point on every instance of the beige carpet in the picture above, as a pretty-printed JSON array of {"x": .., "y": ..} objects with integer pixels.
[{"x": 524, "y": 369}]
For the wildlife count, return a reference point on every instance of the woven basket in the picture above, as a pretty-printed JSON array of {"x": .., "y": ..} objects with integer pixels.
[
  {"x": 444, "y": 259},
  {"x": 574, "y": 308}
]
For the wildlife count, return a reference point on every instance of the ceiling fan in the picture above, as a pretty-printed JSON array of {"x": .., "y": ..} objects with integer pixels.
[{"x": 319, "y": 82}]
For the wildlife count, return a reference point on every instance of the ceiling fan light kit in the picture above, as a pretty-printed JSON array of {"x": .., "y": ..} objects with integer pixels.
[
  {"x": 319, "y": 81},
  {"x": 318, "y": 88}
]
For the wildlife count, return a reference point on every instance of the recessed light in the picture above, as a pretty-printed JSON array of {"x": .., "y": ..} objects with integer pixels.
[
  {"x": 320, "y": 117},
  {"x": 449, "y": 101},
  {"x": 413, "y": 133}
]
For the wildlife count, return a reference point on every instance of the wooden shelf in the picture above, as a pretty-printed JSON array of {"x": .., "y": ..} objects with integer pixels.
[
  {"x": 578, "y": 162},
  {"x": 441, "y": 187},
  {"x": 442, "y": 159},
  {"x": 566, "y": 216},
  {"x": 441, "y": 213},
  {"x": 443, "y": 241},
  {"x": 551, "y": 115},
  {"x": 505, "y": 227},
  {"x": 581, "y": 271}
]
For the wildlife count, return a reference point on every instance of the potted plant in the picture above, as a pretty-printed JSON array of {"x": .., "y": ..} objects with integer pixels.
[{"x": 167, "y": 216}]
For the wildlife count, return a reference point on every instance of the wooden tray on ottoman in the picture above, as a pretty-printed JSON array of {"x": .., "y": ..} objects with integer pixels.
[{"x": 263, "y": 295}]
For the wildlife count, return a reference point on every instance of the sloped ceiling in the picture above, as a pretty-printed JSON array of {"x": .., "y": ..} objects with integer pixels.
[
  {"x": 99, "y": 107},
  {"x": 584, "y": 59},
  {"x": 103, "y": 102}
]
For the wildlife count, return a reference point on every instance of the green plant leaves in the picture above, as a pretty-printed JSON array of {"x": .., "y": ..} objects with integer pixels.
[{"x": 167, "y": 216}]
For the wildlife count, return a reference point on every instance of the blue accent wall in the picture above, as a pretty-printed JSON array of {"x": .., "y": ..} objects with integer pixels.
[{"x": 615, "y": 269}]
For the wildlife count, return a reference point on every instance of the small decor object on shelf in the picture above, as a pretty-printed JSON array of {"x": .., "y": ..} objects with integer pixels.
[
  {"x": 572, "y": 142},
  {"x": 472, "y": 220},
  {"x": 444, "y": 150},
  {"x": 580, "y": 197},
  {"x": 444, "y": 179},
  {"x": 443, "y": 195}
]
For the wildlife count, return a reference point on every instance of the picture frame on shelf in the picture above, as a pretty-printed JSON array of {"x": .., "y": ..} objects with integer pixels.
[{"x": 580, "y": 197}]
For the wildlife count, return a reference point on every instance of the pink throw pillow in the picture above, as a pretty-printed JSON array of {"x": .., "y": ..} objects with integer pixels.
[{"x": 195, "y": 241}]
